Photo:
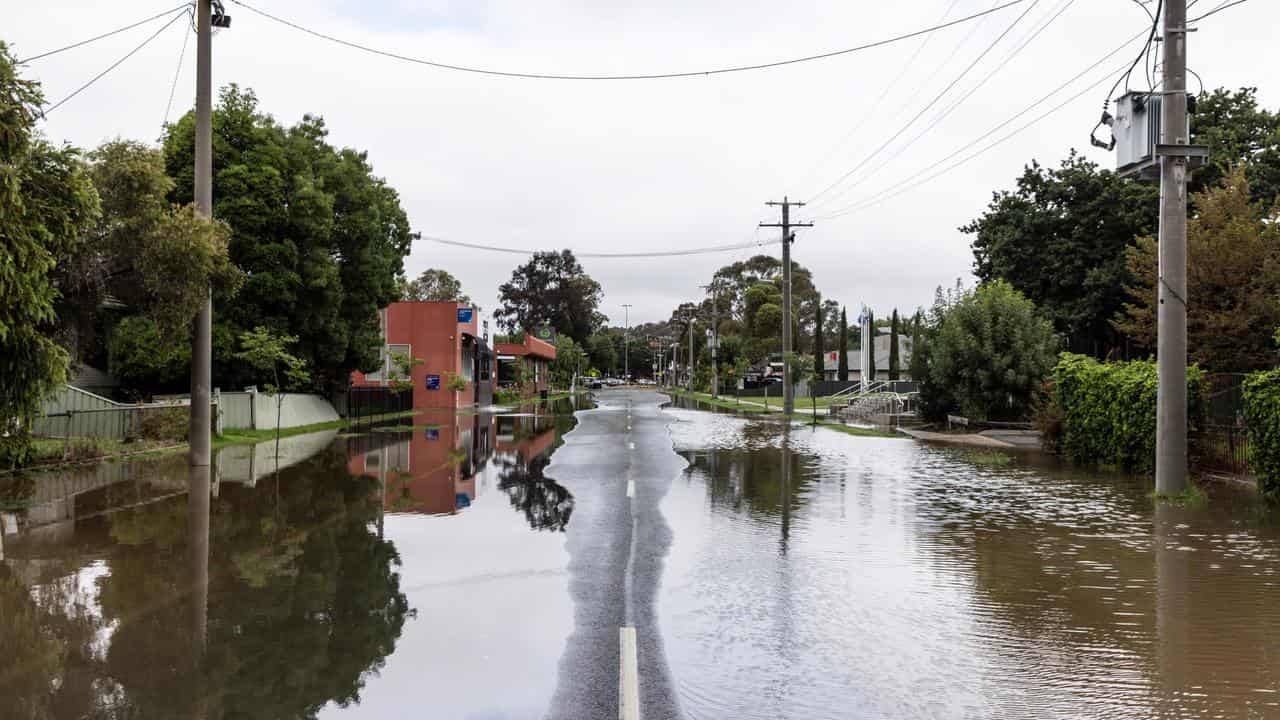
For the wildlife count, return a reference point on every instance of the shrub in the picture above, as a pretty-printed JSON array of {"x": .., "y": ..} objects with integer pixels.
[
  {"x": 1109, "y": 410},
  {"x": 1262, "y": 417},
  {"x": 506, "y": 396},
  {"x": 1049, "y": 419},
  {"x": 171, "y": 423}
]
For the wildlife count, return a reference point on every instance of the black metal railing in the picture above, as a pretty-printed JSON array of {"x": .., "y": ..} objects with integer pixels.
[{"x": 368, "y": 403}]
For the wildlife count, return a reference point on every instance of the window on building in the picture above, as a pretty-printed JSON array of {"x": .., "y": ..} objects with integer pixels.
[
  {"x": 467, "y": 371},
  {"x": 388, "y": 369}
]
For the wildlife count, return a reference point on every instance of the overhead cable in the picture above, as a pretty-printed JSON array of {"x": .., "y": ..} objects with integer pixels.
[
  {"x": 902, "y": 187},
  {"x": 115, "y": 64},
  {"x": 960, "y": 101},
  {"x": 117, "y": 31},
  {"x": 870, "y": 112},
  {"x": 1217, "y": 10},
  {"x": 926, "y": 108},
  {"x": 631, "y": 76},
  {"x": 667, "y": 253},
  {"x": 182, "y": 54}
]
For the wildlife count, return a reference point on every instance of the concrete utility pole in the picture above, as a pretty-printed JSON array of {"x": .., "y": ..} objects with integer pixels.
[
  {"x": 1171, "y": 331},
  {"x": 714, "y": 289},
  {"x": 626, "y": 343},
  {"x": 690, "y": 378},
  {"x": 202, "y": 338},
  {"x": 788, "y": 237}
]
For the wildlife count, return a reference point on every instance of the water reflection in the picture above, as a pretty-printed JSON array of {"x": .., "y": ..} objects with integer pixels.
[
  {"x": 446, "y": 461},
  {"x": 908, "y": 581},
  {"x": 139, "y": 599}
]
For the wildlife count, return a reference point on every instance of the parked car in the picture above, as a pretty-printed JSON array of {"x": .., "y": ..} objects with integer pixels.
[{"x": 594, "y": 384}]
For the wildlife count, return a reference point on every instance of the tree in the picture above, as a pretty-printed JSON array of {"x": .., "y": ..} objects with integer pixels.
[
  {"x": 602, "y": 350},
  {"x": 434, "y": 284},
  {"x": 320, "y": 238},
  {"x": 894, "y": 370},
  {"x": 1233, "y": 282},
  {"x": 1059, "y": 238},
  {"x": 1239, "y": 135},
  {"x": 47, "y": 205},
  {"x": 267, "y": 351},
  {"x": 571, "y": 360},
  {"x": 551, "y": 288},
  {"x": 871, "y": 350},
  {"x": 842, "y": 373},
  {"x": 991, "y": 353},
  {"x": 819, "y": 358},
  {"x": 918, "y": 367}
]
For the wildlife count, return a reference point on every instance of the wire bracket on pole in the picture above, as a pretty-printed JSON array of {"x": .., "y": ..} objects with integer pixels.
[{"x": 1195, "y": 155}]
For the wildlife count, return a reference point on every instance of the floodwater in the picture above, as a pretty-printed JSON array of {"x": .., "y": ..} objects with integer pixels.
[{"x": 422, "y": 571}]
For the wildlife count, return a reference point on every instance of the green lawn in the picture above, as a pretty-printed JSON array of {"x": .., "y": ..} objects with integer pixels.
[{"x": 722, "y": 402}]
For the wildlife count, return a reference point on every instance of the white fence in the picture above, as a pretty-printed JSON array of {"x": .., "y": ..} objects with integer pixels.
[{"x": 257, "y": 411}]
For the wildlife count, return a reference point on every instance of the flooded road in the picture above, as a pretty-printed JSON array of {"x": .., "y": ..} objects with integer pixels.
[{"x": 482, "y": 566}]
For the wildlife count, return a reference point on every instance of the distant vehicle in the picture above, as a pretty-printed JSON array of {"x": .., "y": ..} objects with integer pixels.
[{"x": 594, "y": 384}]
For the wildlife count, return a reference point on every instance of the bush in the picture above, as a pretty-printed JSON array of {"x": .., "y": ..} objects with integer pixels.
[
  {"x": 988, "y": 355},
  {"x": 1049, "y": 419},
  {"x": 1262, "y": 418},
  {"x": 506, "y": 396},
  {"x": 1109, "y": 410},
  {"x": 171, "y": 423}
]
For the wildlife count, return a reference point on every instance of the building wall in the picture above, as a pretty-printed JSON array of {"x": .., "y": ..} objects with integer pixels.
[
  {"x": 536, "y": 355},
  {"x": 432, "y": 333}
]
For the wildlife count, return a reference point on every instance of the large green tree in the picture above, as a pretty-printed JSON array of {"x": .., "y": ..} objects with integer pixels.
[
  {"x": 435, "y": 284},
  {"x": 47, "y": 205},
  {"x": 553, "y": 289},
  {"x": 991, "y": 353},
  {"x": 1059, "y": 238},
  {"x": 1239, "y": 134},
  {"x": 895, "y": 369},
  {"x": 1233, "y": 282},
  {"x": 321, "y": 239}
]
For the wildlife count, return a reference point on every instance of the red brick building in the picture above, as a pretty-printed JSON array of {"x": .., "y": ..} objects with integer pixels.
[
  {"x": 534, "y": 355},
  {"x": 443, "y": 335}
]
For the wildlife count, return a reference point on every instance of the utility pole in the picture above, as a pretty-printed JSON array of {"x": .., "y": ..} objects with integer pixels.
[
  {"x": 626, "y": 343},
  {"x": 202, "y": 338},
  {"x": 689, "y": 379},
  {"x": 1171, "y": 332},
  {"x": 714, "y": 288},
  {"x": 788, "y": 237}
]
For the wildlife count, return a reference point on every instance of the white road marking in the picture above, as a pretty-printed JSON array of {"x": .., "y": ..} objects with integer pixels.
[
  {"x": 631, "y": 446},
  {"x": 628, "y": 676},
  {"x": 631, "y": 488}
]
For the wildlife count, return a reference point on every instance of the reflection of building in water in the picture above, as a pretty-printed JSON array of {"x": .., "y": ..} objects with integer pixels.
[{"x": 442, "y": 468}]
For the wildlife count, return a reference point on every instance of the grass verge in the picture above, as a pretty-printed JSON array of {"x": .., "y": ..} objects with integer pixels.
[
  {"x": 858, "y": 431},
  {"x": 720, "y": 402},
  {"x": 989, "y": 458},
  {"x": 1192, "y": 496}
]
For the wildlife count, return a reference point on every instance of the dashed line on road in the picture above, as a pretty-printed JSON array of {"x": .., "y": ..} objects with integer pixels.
[
  {"x": 628, "y": 675},
  {"x": 631, "y": 488}
]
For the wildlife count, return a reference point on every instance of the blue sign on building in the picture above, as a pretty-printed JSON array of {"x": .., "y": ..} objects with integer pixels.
[
  {"x": 433, "y": 382},
  {"x": 464, "y": 315},
  {"x": 433, "y": 433}
]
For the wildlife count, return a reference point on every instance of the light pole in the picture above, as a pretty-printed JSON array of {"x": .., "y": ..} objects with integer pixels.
[{"x": 626, "y": 343}]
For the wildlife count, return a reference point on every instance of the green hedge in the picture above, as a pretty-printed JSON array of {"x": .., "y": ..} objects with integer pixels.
[
  {"x": 1109, "y": 410},
  {"x": 1262, "y": 417}
]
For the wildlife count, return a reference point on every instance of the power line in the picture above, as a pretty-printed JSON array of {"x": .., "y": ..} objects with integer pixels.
[
  {"x": 668, "y": 253},
  {"x": 1003, "y": 124},
  {"x": 926, "y": 108},
  {"x": 954, "y": 106},
  {"x": 870, "y": 112},
  {"x": 104, "y": 35},
  {"x": 113, "y": 65},
  {"x": 898, "y": 189},
  {"x": 638, "y": 76},
  {"x": 1217, "y": 10},
  {"x": 182, "y": 54}
]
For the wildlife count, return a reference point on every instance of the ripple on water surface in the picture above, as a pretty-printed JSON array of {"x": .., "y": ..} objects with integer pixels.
[{"x": 817, "y": 575}]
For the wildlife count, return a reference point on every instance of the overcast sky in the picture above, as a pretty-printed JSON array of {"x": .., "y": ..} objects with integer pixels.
[{"x": 656, "y": 164}]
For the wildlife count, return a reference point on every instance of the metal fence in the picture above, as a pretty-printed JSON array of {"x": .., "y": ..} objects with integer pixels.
[
  {"x": 364, "y": 403},
  {"x": 1223, "y": 442},
  {"x": 73, "y": 412}
]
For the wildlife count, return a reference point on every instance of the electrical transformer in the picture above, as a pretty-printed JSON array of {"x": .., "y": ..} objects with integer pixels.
[{"x": 1136, "y": 129}]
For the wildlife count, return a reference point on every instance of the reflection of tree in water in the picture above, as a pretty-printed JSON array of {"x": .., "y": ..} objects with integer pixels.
[
  {"x": 304, "y": 601},
  {"x": 545, "y": 503},
  {"x": 753, "y": 479}
]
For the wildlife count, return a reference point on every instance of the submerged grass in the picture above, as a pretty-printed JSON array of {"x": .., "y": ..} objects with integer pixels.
[
  {"x": 1192, "y": 496},
  {"x": 989, "y": 458}
]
